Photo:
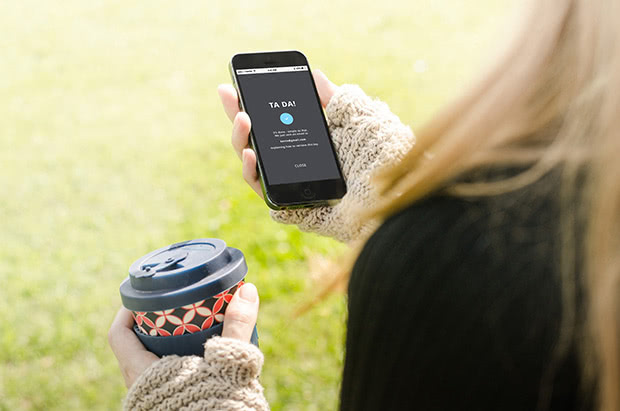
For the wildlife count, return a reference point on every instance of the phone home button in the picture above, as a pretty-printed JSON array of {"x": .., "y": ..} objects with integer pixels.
[{"x": 308, "y": 193}]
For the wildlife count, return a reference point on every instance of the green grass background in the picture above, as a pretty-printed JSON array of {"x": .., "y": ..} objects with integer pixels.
[{"x": 113, "y": 143}]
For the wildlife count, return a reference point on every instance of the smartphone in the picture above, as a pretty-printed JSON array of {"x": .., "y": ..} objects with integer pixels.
[{"x": 296, "y": 160}]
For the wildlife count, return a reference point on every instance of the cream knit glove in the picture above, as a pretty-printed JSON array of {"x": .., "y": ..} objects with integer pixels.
[
  {"x": 225, "y": 379},
  {"x": 367, "y": 136}
]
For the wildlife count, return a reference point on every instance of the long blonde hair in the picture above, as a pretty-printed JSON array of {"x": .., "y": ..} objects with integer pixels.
[{"x": 551, "y": 98}]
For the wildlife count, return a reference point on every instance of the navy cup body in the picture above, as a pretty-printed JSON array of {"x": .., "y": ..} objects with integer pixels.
[{"x": 186, "y": 344}]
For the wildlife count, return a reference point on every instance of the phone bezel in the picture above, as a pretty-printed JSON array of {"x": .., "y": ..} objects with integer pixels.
[{"x": 292, "y": 195}]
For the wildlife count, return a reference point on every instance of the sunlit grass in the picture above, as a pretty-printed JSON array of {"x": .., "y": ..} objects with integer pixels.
[{"x": 114, "y": 143}]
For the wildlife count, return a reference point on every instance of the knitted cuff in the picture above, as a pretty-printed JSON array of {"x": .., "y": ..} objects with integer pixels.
[
  {"x": 237, "y": 361},
  {"x": 348, "y": 101},
  {"x": 225, "y": 379},
  {"x": 367, "y": 136}
]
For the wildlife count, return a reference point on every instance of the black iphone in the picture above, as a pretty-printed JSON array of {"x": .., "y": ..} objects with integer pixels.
[{"x": 297, "y": 163}]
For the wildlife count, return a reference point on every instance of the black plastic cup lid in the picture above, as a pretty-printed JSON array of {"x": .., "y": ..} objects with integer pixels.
[{"x": 182, "y": 274}]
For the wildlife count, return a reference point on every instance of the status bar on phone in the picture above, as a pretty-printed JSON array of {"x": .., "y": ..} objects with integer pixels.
[{"x": 271, "y": 70}]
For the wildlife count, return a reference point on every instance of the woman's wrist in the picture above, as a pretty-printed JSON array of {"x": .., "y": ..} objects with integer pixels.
[{"x": 228, "y": 373}]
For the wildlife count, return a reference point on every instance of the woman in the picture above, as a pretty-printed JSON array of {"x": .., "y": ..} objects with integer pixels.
[{"x": 493, "y": 279}]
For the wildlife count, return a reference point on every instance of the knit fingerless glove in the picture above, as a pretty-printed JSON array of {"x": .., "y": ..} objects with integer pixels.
[
  {"x": 367, "y": 136},
  {"x": 225, "y": 379}
]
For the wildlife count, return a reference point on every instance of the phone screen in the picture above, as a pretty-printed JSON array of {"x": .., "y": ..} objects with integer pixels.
[{"x": 288, "y": 124}]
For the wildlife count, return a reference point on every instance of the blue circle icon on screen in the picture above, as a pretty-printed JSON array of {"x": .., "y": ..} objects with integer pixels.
[{"x": 286, "y": 118}]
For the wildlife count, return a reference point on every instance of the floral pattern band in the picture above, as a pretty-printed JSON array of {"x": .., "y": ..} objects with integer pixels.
[{"x": 187, "y": 319}]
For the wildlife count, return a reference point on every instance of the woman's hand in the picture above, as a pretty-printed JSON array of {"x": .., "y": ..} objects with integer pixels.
[
  {"x": 367, "y": 137},
  {"x": 133, "y": 358},
  {"x": 241, "y": 125},
  {"x": 131, "y": 355}
]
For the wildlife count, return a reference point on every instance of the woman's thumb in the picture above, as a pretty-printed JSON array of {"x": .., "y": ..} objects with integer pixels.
[
  {"x": 241, "y": 313},
  {"x": 325, "y": 87}
]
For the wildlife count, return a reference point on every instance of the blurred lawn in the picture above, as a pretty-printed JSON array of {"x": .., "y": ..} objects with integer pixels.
[{"x": 114, "y": 143}]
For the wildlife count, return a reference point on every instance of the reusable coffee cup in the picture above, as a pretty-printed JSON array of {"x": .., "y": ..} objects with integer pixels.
[{"x": 178, "y": 294}]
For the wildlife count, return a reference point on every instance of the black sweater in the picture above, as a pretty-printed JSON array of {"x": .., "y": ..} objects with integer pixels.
[{"x": 455, "y": 304}]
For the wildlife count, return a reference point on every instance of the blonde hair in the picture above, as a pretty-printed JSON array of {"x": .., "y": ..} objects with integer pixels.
[{"x": 552, "y": 98}]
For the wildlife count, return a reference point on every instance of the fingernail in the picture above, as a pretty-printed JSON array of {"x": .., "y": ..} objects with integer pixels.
[{"x": 248, "y": 292}]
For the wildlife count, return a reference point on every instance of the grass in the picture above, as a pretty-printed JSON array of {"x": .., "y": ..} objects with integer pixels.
[{"x": 114, "y": 144}]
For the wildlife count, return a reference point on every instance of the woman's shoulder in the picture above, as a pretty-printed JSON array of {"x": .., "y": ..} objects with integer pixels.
[
  {"x": 460, "y": 295},
  {"x": 457, "y": 227}
]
